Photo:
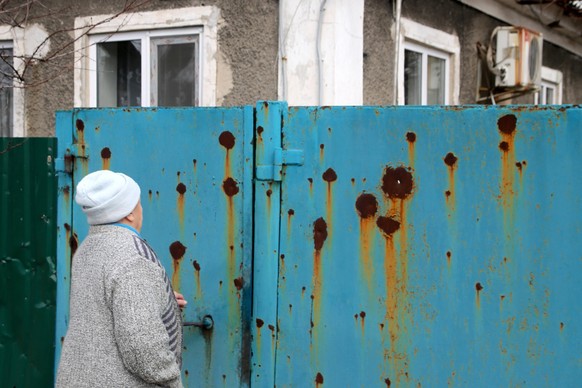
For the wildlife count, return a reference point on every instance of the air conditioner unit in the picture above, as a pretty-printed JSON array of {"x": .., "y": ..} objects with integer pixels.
[{"x": 517, "y": 58}]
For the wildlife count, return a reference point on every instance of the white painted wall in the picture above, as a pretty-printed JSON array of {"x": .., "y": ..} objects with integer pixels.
[{"x": 321, "y": 52}]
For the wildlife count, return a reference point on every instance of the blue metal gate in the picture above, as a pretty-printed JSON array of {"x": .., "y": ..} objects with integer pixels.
[
  {"x": 420, "y": 247},
  {"x": 401, "y": 246},
  {"x": 192, "y": 166}
]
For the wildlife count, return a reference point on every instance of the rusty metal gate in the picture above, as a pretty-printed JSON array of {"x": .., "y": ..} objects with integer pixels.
[
  {"x": 192, "y": 165},
  {"x": 419, "y": 247},
  {"x": 366, "y": 246}
]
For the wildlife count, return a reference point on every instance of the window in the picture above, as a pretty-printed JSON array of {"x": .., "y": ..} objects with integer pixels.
[
  {"x": 126, "y": 75},
  {"x": 551, "y": 88},
  {"x": 159, "y": 58},
  {"x": 6, "y": 89},
  {"x": 428, "y": 66}
]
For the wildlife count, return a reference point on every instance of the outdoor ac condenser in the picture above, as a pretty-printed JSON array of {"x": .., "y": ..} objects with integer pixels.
[{"x": 517, "y": 57}]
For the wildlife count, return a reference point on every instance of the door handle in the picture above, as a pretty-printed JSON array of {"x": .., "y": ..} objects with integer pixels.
[{"x": 206, "y": 324}]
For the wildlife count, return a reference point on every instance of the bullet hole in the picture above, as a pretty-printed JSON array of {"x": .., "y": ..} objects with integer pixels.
[
  {"x": 186, "y": 372},
  {"x": 106, "y": 153},
  {"x": 260, "y": 130},
  {"x": 507, "y": 124},
  {"x": 366, "y": 205},
  {"x": 504, "y": 146},
  {"x": 269, "y": 192},
  {"x": 353, "y": 180},
  {"x": 518, "y": 165},
  {"x": 322, "y": 146},
  {"x": 177, "y": 250},
  {"x": 449, "y": 255},
  {"x": 319, "y": 233},
  {"x": 196, "y": 266},
  {"x": 194, "y": 161},
  {"x": 356, "y": 317},
  {"x": 230, "y": 187},
  {"x": 329, "y": 175},
  {"x": 239, "y": 283},
  {"x": 291, "y": 212},
  {"x": 80, "y": 125},
  {"x": 387, "y": 225},
  {"x": 226, "y": 139},
  {"x": 150, "y": 193},
  {"x": 448, "y": 193},
  {"x": 397, "y": 182},
  {"x": 282, "y": 256},
  {"x": 478, "y": 287},
  {"x": 450, "y": 159},
  {"x": 319, "y": 378},
  {"x": 363, "y": 314},
  {"x": 181, "y": 188},
  {"x": 260, "y": 323},
  {"x": 310, "y": 180},
  {"x": 411, "y": 137}
]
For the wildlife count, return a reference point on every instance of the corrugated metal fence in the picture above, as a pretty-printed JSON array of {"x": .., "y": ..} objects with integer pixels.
[{"x": 27, "y": 261}]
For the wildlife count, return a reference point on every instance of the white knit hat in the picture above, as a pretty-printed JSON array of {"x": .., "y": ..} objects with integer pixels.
[{"x": 106, "y": 196}]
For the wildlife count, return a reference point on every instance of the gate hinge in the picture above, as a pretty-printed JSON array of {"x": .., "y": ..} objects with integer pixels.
[
  {"x": 65, "y": 164},
  {"x": 281, "y": 157}
]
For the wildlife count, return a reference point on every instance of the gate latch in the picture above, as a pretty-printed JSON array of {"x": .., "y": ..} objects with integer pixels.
[
  {"x": 65, "y": 164},
  {"x": 281, "y": 157}
]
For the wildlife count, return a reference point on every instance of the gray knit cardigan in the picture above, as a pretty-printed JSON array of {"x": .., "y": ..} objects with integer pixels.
[{"x": 125, "y": 327}]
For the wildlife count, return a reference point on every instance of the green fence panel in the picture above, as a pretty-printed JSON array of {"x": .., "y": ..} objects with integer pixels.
[{"x": 27, "y": 261}]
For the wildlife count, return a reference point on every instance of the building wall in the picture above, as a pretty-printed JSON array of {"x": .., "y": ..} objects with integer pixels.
[{"x": 248, "y": 44}]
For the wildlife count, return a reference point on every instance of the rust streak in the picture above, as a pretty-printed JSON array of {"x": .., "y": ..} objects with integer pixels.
[
  {"x": 451, "y": 162},
  {"x": 181, "y": 201},
  {"x": 411, "y": 139},
  {"x": 106, "y": 158},
  {"x": 197, "y": 276},
  {"x": 177, "y": 251},
  {"x": 367, "y": 207},
  {"x": 319, "y": 236}
]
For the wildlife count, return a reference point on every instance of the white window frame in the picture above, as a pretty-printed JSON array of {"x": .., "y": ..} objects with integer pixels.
[
  {"x": 553, "y": 79},
  {"x": 427, "y": 40},
  {"x": 425, "y": 52},
  {"x": 12, "y": 37},
  {"x": 202, "y": 21}
]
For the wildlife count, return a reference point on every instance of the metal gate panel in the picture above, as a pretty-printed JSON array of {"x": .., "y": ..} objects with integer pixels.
[
  {"x": 27, "y": 261},
  {"x": 192, "y": 165},
  {"x": 430, "y": 246}
]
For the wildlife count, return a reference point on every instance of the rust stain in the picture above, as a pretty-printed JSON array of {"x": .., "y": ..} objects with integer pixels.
[
  {"x": 67, "y": 194},
  {"x": 321, "y": 151},
  {"x": 363, "y": 321},
  {"x": 318, "y": 379},
  {"x": 239, "y": 283},
  {"x": 507, "y": 126},
  {"x": 449, "y": 254},
  {"x": 310, "y": 186},
  {"x": 330, "y": 177},
  {"x": 478, "y": 288},
  {"x": 177, "y": 251},
  {"x": 227, "y": 140},
  {"x": 150, "y": 194},
  {"x": 181, "y": 201},
  {"x": 398, "y": 186},
  {"x": 388, "y": 382},
  {"x": 411, "y": 139},
  {"x": 230, "y": 187},
  {"x": 451, "y": 161},
  {"x": 197, "y": 276},
  {"x": 106, "y": 158},
  {"x": 320, "y": 234},
  {"x": 367, "y": 207},
  {"x": 290, "y": 214}
]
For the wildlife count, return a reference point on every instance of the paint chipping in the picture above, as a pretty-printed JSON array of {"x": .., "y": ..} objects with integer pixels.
[
  {"x": 507, "y": 124},
  {"x": 319, "y": 233},
  {"x": 177, "y": 250},
  {"x": 387, "y": 225},
  {"x": 230, "y": 187},
  {"x": 226, "y": 139},
  {"x": 397, "y": 182},
  {"x": 367, "y": 205},
  {"x": 329, "y": 175}
]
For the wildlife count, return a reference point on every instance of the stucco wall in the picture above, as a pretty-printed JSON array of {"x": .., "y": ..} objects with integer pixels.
[
  {"x": 247, "y": 57},
  {"x": 247, "y": 67},
  {"x": 452, "y": 17}
]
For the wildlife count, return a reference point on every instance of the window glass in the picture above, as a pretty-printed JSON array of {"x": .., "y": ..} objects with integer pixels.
[
  {"x": 412, "y": 77},
  {"x": 6, "y": 91},
  {"x": 119, "y": 73},
  {"x": 174, "y": 71},
  {"x": 549, "y": 96},
  {"x": 435, "y": 81}
]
